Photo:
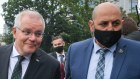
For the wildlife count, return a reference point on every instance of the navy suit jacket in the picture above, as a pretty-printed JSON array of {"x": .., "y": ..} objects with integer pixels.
[
  {"x": 126, "y": 63},
  {"x": 41, "y": 65}
]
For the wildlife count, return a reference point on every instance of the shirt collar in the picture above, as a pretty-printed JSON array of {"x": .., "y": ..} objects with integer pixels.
[
  {"x": 15, "y": 53},
  {"x": 58, "y": 54}
]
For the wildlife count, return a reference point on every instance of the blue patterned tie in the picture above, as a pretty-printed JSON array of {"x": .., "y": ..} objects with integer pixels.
[
  {"x": 61, "y": 58},
  {"x": 17, "y": 72},
  {"x": 101, "y": 64}
]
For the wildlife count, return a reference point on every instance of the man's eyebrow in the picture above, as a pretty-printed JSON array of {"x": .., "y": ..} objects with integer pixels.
[
  {"x": 104, "y": 21},
  {"x": 116, "y": 20}
]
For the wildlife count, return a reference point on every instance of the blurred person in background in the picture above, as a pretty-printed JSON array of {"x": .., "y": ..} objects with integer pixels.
[
  {"x": 59, "y": 53},
  {"x": 130, "y": 29}
]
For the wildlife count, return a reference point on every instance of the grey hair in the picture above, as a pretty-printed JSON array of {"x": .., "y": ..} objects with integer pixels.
[{"x": 17, "y": 21}]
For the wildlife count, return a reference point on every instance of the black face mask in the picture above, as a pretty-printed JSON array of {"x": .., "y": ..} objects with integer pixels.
[
  {"x": 58, "y": 49},
  {"x": 107, "y": 38}
]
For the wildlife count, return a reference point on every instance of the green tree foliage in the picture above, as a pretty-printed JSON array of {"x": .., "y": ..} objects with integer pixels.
[
  {"x": 8, "y": 38},
  {"x": 68, "y": 18}
]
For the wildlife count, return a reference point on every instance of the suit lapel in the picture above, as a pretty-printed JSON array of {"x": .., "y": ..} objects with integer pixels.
[
  {"x": 33, "y": 66},
  {"x": 54, "y": 54},
  {"x": 119, "y": 57},
  {"x": 4, "y": 61},
  {"x": 86, "y": 59}
]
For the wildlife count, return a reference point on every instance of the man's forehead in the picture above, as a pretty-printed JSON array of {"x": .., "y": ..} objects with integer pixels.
[
  {"x": 57, "y": 40},
  {"x": 106, "y": 5}
]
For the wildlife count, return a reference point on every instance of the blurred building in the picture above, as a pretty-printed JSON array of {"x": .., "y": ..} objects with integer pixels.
[
  {"x": 128, "y": 5},
  {"x": 1, "y": 41},
  {"x": 5, "y": 29}
]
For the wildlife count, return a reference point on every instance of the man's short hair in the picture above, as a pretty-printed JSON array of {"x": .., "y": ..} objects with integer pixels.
[{"x": 56, "y": 37}]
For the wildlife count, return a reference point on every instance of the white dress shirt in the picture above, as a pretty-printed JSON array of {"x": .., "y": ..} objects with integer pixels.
[
  {"x": 13, "y": 61},
  {"x": 94, "y": 61},
  {"x": 59, "y": 57}
]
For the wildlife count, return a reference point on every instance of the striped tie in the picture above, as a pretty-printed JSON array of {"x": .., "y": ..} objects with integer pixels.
[
  {"x": 17, "y": 72},
  {"x": 61, "y": 59},
  {"x": 101, "y": 64}
]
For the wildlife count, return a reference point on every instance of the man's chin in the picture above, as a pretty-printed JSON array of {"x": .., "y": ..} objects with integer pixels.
[{"x": 30, "y": 51}]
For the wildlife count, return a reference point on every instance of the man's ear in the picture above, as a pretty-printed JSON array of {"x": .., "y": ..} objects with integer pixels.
[
  {"x": 14, "y": 31},
  {"x": 63, "y": 43},
  {"x": 122, "y": 22},
  {"x": 90, "y": 24}
]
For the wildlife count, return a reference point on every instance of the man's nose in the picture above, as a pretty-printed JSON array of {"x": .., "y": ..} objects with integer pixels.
[
  {"x": 110, "y": 27},
  {"x": 32, "y": 37}
]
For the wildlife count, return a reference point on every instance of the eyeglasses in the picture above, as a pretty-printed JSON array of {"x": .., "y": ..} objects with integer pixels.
[{"x": 29, "y": 33}]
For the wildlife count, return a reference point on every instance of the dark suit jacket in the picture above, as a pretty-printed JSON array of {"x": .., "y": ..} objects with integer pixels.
[
  {"x": 134, "y": 36},
  {"x": 41, "y": 65},
  {"x": 53, "y": 54},
  {"x": 126, "y": 63}
]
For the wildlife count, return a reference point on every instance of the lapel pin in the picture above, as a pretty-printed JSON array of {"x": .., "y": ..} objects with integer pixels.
[
  {"x": 120, "y": 51},
  {"x": 37, "y": 60}
]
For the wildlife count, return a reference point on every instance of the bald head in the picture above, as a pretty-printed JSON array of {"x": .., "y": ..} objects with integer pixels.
[{"x": 105, "y": 8}]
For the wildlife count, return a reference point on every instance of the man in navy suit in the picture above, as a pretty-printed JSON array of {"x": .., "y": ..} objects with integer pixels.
[
  {"x": 58, "y": 46},
  {"x": 122, "y": 59},
  {"x": 59, "y": 53},
  {"x": 28, "y": 33}
]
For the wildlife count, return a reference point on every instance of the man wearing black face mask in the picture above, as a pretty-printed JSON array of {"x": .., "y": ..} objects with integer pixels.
[
  {"x": 107, "y": 55},
  {"x": 59, "y": 54}
]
